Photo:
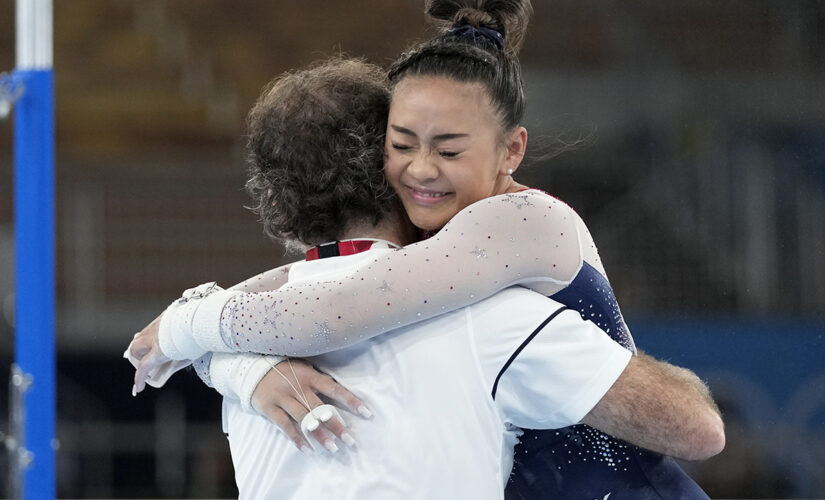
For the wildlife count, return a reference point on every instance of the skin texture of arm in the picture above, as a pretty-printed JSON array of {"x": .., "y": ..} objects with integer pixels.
[
  {"x": 526, "y": 238},
  {"x": 663, "y": 408}
]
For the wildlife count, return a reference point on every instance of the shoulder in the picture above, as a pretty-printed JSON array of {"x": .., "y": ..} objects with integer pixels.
[
  {"x": 527, "y": 198},
  {"x": 507, "y": 319},
  {"x": 543, "y": 363},
  {"x": 546, "y": 199},
  {"x": 512, "y": 300},
  {"x": 563, "y": 215},
  {"x": 532, "y": 205}
]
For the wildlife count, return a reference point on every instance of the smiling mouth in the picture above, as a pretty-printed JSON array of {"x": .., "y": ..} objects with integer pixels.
[
  {"x": 430, "y": 195},
  {"x": 427, "y": 197}
]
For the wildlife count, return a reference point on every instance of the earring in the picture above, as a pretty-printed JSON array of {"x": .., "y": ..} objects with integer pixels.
[{"x": 509, "y": 171}]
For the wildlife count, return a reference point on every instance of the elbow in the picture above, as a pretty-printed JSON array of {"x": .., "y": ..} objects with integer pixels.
[
  {"x": 710, "y": 440},
  {"x": 716, "y": 439}
]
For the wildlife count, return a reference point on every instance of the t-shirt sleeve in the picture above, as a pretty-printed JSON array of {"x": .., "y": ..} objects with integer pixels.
[{"x": 545, "y": 366}]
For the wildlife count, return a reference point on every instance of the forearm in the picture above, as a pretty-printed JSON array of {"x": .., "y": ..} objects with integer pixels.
[
  {"x": 191, "y": 325},
  {"x": 663, "y": 408}
]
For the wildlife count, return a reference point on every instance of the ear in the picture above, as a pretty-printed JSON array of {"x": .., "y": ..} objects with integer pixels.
[{"x": 516, "y": 147}]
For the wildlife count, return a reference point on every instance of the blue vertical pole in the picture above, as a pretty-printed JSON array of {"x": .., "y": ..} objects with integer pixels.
[{"x": 34, "y": 225}]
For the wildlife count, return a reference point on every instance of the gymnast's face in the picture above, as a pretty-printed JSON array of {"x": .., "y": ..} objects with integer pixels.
[{"x": 445, "y": 148}]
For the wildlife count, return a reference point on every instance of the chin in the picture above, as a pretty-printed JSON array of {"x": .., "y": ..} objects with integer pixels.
[
  {"x": 428, "y": 219},
  {"x": 427, "y": 222}
]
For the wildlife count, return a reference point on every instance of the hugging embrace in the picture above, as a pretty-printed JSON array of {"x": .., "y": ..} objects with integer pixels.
[{"x": 451, "y": 333}]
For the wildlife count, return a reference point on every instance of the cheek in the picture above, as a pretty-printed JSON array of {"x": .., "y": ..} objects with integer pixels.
[
  {"x": 473, "y": 181},
  {"x": 392, "y": 171}
]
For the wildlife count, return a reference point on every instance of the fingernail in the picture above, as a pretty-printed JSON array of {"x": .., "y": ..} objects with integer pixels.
[
  {"x": 134, "y": 390},
  {"x": 329, "y": 445},
  {"x": 304, "y": 448},
  {"x": 364, "y": 411},
  {"x": 347, "y": 438}
]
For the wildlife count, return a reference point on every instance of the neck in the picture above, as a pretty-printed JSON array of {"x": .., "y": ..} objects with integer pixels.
[
  {"x": 395, "y": 229},
  {"x": 510, "y": 186}
]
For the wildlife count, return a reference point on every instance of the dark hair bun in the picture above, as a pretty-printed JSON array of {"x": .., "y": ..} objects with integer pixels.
[{"x": 508, "y": 17}]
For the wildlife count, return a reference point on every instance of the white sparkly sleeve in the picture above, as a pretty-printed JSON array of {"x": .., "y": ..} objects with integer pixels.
[
  {"x": 528, "y": 238},
  {"x": 266, "y": 281}
]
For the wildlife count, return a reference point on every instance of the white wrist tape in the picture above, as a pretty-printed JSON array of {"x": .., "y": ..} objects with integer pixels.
[
  {"x": 237, "y": 376},
  {"x": 173, "y": 334},
  {"x": 206, "y": 321},
  {"x": 179, "y": 336}
]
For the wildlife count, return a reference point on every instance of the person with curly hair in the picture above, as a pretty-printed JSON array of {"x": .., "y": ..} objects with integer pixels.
[{"x": 304, "y": 122}]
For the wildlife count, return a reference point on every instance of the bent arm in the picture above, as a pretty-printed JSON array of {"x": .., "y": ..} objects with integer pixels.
[
  {"x": 663, "y": 408},
  {"x": 527, "y": 238}
]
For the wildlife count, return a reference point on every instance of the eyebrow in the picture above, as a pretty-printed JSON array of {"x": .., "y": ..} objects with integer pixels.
[{"x": 439, "y": 137}]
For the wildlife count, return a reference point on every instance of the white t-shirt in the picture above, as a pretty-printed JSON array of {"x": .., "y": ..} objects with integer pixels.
[{"x": 447, "y": 395}]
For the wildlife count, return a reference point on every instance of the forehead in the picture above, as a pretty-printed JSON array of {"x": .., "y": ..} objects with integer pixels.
[{"x": 441, "y": 97}]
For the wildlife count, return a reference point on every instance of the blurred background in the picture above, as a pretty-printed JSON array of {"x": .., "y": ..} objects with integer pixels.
[{"x": 704, "y": 190}]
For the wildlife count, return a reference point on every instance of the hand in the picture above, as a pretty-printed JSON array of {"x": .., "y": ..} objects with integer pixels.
[
  {"x": 146, "y": 349},
  {"x": 276, "y": 399}
]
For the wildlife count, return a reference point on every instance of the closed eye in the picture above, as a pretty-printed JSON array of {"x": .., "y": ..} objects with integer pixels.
[{"x": 449, "y": 154}]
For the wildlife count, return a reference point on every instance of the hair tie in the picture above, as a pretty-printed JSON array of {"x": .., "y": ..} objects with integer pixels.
[{"x": 475, "y": 32}]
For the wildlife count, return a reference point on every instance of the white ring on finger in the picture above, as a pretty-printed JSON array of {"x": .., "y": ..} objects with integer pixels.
[
  {"x": 309, "y": 423},
  {"x": 323, "y": 413},
  {"x": 312, "y": 420}
]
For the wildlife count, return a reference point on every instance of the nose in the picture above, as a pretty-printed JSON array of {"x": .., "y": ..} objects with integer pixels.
[{"x": 422, "y": 168}]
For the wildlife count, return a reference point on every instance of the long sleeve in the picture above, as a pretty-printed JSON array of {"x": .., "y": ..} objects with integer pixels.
[
  {"x": 529, "y": 239},
  {"x": 221, "y": 371},
  {"x": 262, "y": 282}
]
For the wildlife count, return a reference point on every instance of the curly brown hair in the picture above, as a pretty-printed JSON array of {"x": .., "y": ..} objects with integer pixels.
[{"x": 316, "y": 151}]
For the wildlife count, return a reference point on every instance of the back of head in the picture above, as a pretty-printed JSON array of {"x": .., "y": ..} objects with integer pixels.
[
  {"x": 316, "y": 150},
  {"x": 479, "y": 43}
]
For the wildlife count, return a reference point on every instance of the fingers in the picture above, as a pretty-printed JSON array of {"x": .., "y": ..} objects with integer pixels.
[
  {"x": 327, "y": 386},
  {"x": 330, "y": 419},
  {"x": 144, "y": 368},
  {"x": 321, "y": 436},
  {"x": 140, "y": 346},
  {"x": 143, "y": 341},
  {"x": 278, "y": 417},
  {"x": 294, "y": 398},
  {"x": 315, "y": 427},
  {"x": 339, "y": 429}
]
